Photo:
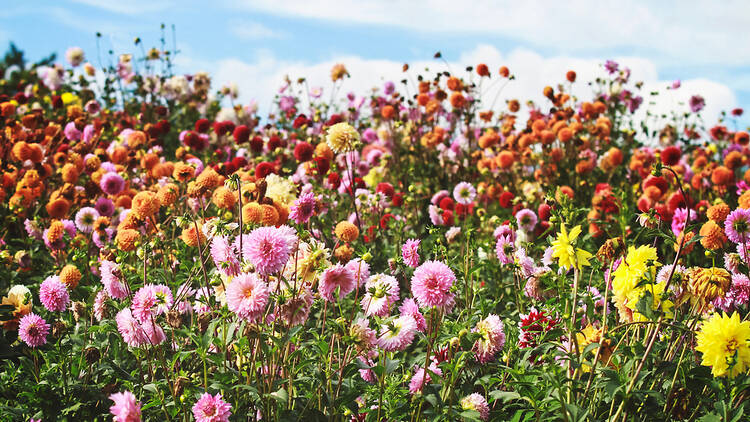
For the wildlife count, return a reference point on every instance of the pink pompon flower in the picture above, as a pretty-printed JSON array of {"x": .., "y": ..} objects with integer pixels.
[
  {"x": 410, "y": 252},
  {"x": 336, "y": 277},
  {"x": 492, "y": 338},
  {"x": 267, "y": 248},
  {"x": 210, "y": 408},
  {"x": 224, "y": 255},
  {"x": 111, "y": 276},
  {"x": 476, "y": 402},
  {"x": 53, "y": 294},
  {"x": 303, "y": 208},
  {"x": 112, "y": 183},
  {"x": 360, "y": 269},
  {"x": 382, "y": 292},
  {"x": 130, "y": 329},
  {"x": 397, "y": 334},
  {"x": 431, "y": 284},
  {"x": 126, "y": 407},
  {"x": 526, "y": 219},
  {"x": 144, "y": 303},
  {"x": 247, "y": 296},
  {"x": 33, "y": 330},
  {"x": 737, "y": 226},
  {"x": 410, "y": 307}
]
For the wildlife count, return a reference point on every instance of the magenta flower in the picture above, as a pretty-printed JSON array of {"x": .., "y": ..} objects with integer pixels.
[
  {"x": 679, "y": 220},
  {"x": 410, "y": 252},
  {"x": 54, "y": 294},
  {"x": 333, "y": 278},
  {"x": 267, "y": 249},
  {"x": 112, "y": 183},
  {"x": 224, "y": 255},
  {"x": 431, "y": 284},
  {"x": 422, "y": 378},
  {"x": 303, "y": 208},
  {"x": 210, "y": 408},
  {"x": 737, "y": 226},
  {"x": 504, "y": 250},
  {"x": 697, "y": 103},
  {"x": 526, "y": 219},
  {"x": 33, "y": 330},
  {"x": 126, "y": 407},
  {"x": 247, "y": 296},
  {"x": 410, "y": 307}
]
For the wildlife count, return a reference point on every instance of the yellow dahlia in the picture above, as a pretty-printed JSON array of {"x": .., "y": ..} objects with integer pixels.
[
  {"x": 342, "y": 137},
  {"x": 563, "y": 249},
  {"x": 724, "y": 342}
]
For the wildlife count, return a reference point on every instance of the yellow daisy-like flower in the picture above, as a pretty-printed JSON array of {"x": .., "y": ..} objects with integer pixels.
[
  {"x": 725, "y": 344},
  {"x": 633, "y": 268},
  {"x": 342, "y": 137},
  {"x": 568, "y": 256}
]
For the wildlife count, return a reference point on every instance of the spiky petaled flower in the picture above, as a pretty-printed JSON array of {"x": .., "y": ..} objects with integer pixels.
[
  {"x": 725, "y": 344},
  {"x": 568, "y": 256},
  {"x": 492, "y": 338}
]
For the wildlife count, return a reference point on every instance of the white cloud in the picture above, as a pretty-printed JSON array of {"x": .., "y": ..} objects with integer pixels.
[
  {"x": 261, "y": 79},
  {"x": 129, "y": 7},
  {"x": 689, "y": 31},
  {"x": 254, "y": 30}
]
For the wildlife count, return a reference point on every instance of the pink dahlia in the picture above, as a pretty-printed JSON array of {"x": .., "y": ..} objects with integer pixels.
[
  {"x": 526, "y": 219},
  {"x": 303, "y": 208},
  {"x": 420, "y": 378},
  {"x": 130, "y": 329},
  {"x": 382, "y": 292},
  {"x": 464, "y": 193},
  {"x": 247, "y": 296},
  {"x": 224, "y": 255},
  {"x": 410, "y": 252},
  {"x": 112, "y": 183},
  {"x": 410, "y": 307},
  {"x": 267, "y": 248},
  {"x": 431, "y": 284},
  {"x": 111, "y": 277},
  {"x": 492, "y": 338},
  {"x": 504, "y": 249},
  {"x": 397, "y": 334},
  {"x": 210, "y": 408},
  {"x": 360, "y": 269},
  {"x": 337, "y": 277},
  {"x": 33, "y": 330},
  {"x": 477, "y": 403},
  {"x": 737, "y": 226},
  {"x": 53, "y": 294},
  {"x": 126, "y": 407},
  {"x": 144, "y": 303},
  {"x": 100, "y": 305},
  {"x": 85, "y": 219},
  {"x": 364, "y": 336}
]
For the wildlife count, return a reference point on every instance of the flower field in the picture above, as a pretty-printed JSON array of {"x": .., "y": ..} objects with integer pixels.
[{"x": 419, "y": 251}]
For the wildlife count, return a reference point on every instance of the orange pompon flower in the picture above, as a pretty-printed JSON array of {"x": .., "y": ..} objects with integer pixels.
[
  {"x": 208, "y": 179},
  {"x": 505, "y": 159},
  {"x": 713, "y": 236},
  {"x": 338, "y": 71},
  {"x": 126, "y": 239},
  {"x": 346, "y": 231},
  {"x": 458, "y": 100},
  {"x": 190, "y": 235},
  {"x": 58, "y": 208},
  {"x": 687, "y": 247},
  {"x": 744, "y": 200},
  {"x": 387, "y": 112},
  {"x": 252, "y": 212},
  {"x": 145, "y": 204},
  {"x": 167, "y": 194},
  {"x": 21, "y": 151},
  {"x": 70, "y": 173},
  {"x": 70, "y": 276},
  {"x": 722, "y": 176},
  {"x": 224, "y": 198},
  {"x": 483, "y": 70},
  {"x": 343, "y": 253},
  {"x": 718, "y": 213},
  {"x": 56, "y": 231},
  {"x": 270, "y": 215},
  {"x": 504, "y": 72},
  {"x": 183, "y": 172}
]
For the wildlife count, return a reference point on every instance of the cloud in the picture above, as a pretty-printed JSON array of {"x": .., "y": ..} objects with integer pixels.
[
  {"x": 261, "y": 78},
  {"x": 129, "y": 7},
  {"x": 248, "y": 30},
  {"x": 689, "y": 31}
]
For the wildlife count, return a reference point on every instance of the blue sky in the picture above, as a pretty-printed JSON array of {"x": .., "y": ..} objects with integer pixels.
[{"x": 254, "y": 43}]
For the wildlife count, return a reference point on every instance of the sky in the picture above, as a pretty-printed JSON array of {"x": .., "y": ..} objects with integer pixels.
[{"x": 255, "y": 43}]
